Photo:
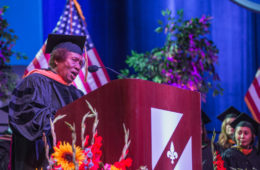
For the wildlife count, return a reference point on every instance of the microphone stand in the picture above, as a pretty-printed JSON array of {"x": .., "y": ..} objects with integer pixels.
[
  {"x": 115, "y": 72},
  {"x": 94, "y": 68}
]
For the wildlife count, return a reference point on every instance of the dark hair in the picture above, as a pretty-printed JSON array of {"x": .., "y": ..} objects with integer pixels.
[
  {"x": 205, "y": 139},
  {"x": 247, "y": 124},
  {"x": 59, "y": 54}
]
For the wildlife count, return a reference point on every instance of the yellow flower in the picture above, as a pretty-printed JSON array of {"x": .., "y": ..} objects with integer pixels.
[
  {"x": 114, "y": 168},
  {"x": 63, "y": 156}
]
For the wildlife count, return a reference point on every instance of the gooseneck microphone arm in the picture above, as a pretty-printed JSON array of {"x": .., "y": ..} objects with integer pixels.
[
  {"x": 94, "y": 68},
  {"x": 115, "y": 72}
]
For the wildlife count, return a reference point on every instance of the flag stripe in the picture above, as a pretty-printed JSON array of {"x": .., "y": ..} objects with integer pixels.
[
  {"x": 252, "y": 97},
  {"x": 252, "y": 107},
  {"x": 74, "y": 84},
  {"x": 256, "y": 87},
  {"x": 100, "y": 73},
  {"x": 94, "y": 75},
  {"x": 82, "y": 77},
  {"x": 43, "y": 62},
  {"x": 80, "y": 84},
  {"x": 91, "y": 82},
  {"x": 255, "y": 97},
  {"x": 29, "y": 67},
  {"x": 103, "y": 69}
]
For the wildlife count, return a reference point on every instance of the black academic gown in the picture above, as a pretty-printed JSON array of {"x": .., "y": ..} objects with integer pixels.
[
  {"x": 219, "y": 148},
  {"x": 207, "y": 158},
  {"x": 4, "y": 154},
  {"x": 235, "y": 159},
  {"x": 34, "y": 101}
]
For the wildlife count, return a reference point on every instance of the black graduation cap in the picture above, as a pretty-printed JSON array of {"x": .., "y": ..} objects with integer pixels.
[
  {"x": 73, "y": 43},
  {"x": 5, "y": 108},
  {"x": 230, "y": 112},
  {"x": 243, "y": 120},
  {"x": 205, "y": 118}
]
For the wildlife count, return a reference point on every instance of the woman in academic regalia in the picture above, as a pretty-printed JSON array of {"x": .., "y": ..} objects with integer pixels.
[
  {"x": 225, "y": 139},
  {"x": 243, "y": 155},
  {"x": 207, "y": 157},
  {"x": 37, "y": 98}
]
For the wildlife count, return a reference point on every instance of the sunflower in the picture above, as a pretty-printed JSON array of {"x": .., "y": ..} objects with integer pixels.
[
  {"x": 114, "y": 167},
  {"x": 63, "y": 155}
]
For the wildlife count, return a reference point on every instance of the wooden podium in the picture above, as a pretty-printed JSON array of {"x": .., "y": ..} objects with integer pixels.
[{"x": 164, "y": 123}]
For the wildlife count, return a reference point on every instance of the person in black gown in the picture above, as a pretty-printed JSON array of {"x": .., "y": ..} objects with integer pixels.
[
  {"x": 5, "y": 140},
  {"x": 225, "y": 139},
  {"x": 37, "y": 98},
  {"x": 243, "y": 155},
  {"x": 207, "y": 157}
]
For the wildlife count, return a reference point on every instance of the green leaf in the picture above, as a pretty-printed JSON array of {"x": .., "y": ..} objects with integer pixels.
[
  {"x": 168, "y": 12},
  {"x": 8, "y": 38},
  {"x": 157, "y": 79},
  {"x": 159, "y": 29},
  {"x": 180, "y": 12},
  {"x": 160, "y": 22},
  {"x": 179, "y": 46},
  {"x": 163, "y": 13}
]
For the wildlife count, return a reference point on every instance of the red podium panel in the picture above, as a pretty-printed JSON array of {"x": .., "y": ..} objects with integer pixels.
[{"x": 164, "y": 123}]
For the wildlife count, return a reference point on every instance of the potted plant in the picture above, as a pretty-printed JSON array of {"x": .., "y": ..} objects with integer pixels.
[
  {"x": 8, "y": 78},
  {"x": 187, "y": 59}
]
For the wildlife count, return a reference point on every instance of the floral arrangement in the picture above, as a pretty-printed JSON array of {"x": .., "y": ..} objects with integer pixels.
[
  {"x": 218, "y": 163},
  {"x": 7, "y": 41},
  {"x": 187, "y": 59},
  {"x": 88, "y": 156}
]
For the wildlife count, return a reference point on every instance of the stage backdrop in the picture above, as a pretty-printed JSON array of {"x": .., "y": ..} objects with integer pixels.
[{"x": 117, "y": 27}]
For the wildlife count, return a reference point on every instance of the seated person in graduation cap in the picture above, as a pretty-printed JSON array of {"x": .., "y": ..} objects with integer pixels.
[
  {"x": 243, "y": 155},
  {"x": 37, "y": 98},
  {"x": 207, "y": 158},
  {"x": 225, "y": 139}
]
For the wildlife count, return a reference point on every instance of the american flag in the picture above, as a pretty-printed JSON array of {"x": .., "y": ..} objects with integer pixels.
[
  {"x": 252, "y": 97},
  {"x": 72, "y": 22}
]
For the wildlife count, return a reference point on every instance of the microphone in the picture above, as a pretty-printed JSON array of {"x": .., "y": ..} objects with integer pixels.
[{"x": 94, "y": 68}]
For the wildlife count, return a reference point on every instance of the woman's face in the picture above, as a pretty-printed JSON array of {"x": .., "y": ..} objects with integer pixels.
[
  {"x": 70, "y": 67},
  {"x": 229, "y": 129},
  {"x": 243, "y": 136}
]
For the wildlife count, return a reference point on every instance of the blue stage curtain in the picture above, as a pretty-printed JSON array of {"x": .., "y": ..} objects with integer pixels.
[{"x": 117, "y": 27}]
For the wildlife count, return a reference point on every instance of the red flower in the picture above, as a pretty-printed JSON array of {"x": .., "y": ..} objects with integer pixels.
[
  {"x": 218, "y": 162},
  {"x": 86, "y": 141},
  {"x": 92, "y": 153},
  {"x": 123, "y": 163},
  {"x": 58, "y": 144}
]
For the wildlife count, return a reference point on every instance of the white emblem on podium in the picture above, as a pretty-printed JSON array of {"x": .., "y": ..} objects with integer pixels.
[
  {"x": 172, "y": 154},
  {"x": 163, "y": 124}
]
